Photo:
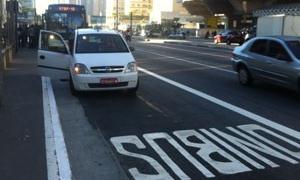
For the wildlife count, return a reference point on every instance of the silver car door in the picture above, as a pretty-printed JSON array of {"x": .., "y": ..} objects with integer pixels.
[
  {"x": 280, "y": 64},
  {"x": 257, "y": 58}
]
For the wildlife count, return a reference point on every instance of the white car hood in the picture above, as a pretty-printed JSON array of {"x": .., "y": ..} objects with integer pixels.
[{"x": 104, "y": 59}]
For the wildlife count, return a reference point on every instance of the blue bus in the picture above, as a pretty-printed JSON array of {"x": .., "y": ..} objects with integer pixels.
[{"x": 64, "y": 18}]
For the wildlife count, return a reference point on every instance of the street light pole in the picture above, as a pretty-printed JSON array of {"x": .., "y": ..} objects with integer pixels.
[{"x": 117, "y": 14}]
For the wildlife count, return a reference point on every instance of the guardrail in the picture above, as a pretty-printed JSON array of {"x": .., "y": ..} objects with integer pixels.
[{"x": 5, "y": 58}]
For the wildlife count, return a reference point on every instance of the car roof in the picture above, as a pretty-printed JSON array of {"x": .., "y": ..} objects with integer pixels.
[
  {"x": 283, "y": 38},
  {"x": 95, "y": 31}
]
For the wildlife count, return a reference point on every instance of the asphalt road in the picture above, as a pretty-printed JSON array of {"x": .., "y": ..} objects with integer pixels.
[{"x": 192, "y": 120}]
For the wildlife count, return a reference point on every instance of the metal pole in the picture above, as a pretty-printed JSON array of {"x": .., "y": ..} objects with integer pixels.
[
  {"x": 117, "y": 12},
  {"x": 131, "y": 22}
]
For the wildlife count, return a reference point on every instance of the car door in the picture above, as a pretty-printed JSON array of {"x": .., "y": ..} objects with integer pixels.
[
  {"x": 53, "y": 55},
  {"x": 256, "y": 58},
  {"x": 280, "y": 64}
]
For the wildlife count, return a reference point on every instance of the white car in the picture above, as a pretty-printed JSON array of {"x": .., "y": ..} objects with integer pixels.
[{"x": 93, "y": 59}]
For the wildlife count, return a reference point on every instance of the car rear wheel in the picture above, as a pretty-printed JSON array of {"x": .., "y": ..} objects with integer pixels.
[{"x": 244, "y": 76}]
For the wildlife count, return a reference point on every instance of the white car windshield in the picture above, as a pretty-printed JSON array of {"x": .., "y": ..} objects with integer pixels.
[{"x": 100, "y": 43}]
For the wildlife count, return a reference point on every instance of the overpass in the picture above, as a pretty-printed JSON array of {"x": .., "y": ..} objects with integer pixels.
[{"x": 233, "y": 9}]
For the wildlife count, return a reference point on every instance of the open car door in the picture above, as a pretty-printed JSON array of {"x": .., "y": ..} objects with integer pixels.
[{"x": 53, "y": 55}]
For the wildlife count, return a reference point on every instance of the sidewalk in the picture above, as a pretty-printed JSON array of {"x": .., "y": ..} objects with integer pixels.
[
  {"x": 191, "y": 41},
  {"x": 21, "y": 121}
]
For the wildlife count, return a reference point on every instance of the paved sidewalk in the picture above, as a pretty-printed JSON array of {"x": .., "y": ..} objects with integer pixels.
[
  {"x": 22, "y": 152},
  {"x": 191, "y": 41}
]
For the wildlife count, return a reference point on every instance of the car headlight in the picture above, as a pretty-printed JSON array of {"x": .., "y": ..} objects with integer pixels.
[
  {"x": 80, "y": 69},
  {"x": 131, "y": 67}
]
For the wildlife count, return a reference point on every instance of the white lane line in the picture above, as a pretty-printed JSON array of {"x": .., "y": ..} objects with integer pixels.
[
  {"x": 58, "y": 165},
  {"x": 231, "y": 107},
  {"x": 202, "y": 53},
  {"x": 190, "y": 62}
]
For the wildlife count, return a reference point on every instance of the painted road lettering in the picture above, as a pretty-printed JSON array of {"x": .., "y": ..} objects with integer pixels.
[
  {"x": 150, "y": 139},
  {"x": 251, "y": 144},
  {"x": 248, "y": 142},
  {"x": 118, "y": 144},
  {"x": 251, "y": 128},
  {"x": 207, "y": 148}
]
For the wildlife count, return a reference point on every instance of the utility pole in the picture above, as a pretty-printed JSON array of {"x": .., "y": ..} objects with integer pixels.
[
  {"x": 131, "y": 22},
  {"x": 117, "y": 14}
]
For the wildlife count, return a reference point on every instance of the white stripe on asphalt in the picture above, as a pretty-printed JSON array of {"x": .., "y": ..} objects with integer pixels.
[
  {"x": 241, "y": 111},
  {"x": 196, "y": 52},
  {"x": 58, "y": 165},
  {"x": 190, "y": 62}
]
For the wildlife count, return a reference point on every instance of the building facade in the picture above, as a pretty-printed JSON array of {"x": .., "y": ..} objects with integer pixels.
[
  {"x": 173, "y": 9},
  {"x": 28, "y": 14}
]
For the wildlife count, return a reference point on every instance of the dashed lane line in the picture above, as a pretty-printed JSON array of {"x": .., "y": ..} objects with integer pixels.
[
  {"x": 226, "y": 105},
  {"x": 190, "y": 62},
  {"x": 58, "y": 165}
]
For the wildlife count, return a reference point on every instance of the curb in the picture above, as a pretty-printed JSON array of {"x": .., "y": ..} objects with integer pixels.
[{"x": 199, "y": 45}]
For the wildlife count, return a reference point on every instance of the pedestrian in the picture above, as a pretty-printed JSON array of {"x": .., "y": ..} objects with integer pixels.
[
  {"x": 31, "y": 34},
  {"x": 36, "y": 30},
  {"x": 207, "y": 35},
  {"x": 19, "y": 32},
  {"x": 24, "y": 34}
]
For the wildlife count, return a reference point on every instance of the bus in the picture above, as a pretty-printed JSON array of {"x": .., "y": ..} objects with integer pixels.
[{"x": 64, "y": 18}]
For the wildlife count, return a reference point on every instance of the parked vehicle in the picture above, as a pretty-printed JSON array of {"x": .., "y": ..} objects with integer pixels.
[
  {"x": 229, "y": 37},
  {"x": 274, "y": 59},
  {"x": 93, "y": 60},
  {"x": 177, "y": 36}
]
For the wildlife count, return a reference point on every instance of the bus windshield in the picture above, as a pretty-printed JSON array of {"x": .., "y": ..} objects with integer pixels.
[
  {"x": 65, "y": 18},
  {"x": 64, "y": 22}
]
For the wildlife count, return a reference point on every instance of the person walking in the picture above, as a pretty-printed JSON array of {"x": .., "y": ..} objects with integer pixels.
[{"x": 24, "y": 34}]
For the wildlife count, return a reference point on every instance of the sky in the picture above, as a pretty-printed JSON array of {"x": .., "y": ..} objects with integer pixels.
[{"x": 41, "y": 6}]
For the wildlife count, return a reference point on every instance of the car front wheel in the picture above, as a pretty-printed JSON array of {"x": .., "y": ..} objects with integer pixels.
[
  {"x": 244, "y": 76},
  {"x": 74, "y": 92},
  {"x": 133, "y": 91}
]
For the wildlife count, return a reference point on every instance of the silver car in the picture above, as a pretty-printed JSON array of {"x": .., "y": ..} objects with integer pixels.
[{"x": 274, "y": 59}]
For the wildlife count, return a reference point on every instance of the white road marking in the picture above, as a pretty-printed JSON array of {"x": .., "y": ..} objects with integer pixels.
[
  {"x": 190, "y": 62},
  {"x": 230, "y": 148},
  {"x": 58, "y": 165},
  {"x": 196, "y": 52},
  {"x": 253, "y": 144},
  {"x": 118, "y": 143},
  {"x": 251, "y": 128},
  {"x": 226, "y": 105},
  {"x": 206, "y": 148},
  {"x": 151, "y": 137}
]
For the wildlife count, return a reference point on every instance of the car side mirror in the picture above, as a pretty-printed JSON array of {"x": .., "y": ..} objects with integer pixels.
[{"x": 131, "y": 49}]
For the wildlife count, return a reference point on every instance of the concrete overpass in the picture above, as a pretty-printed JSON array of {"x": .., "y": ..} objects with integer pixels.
[{"x": 233, "y": 9}]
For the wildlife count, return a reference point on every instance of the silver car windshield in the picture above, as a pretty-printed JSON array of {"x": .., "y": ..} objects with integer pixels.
[
  {"x": 100, "y": 43},
  {"x": 294, "y": 46}
]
